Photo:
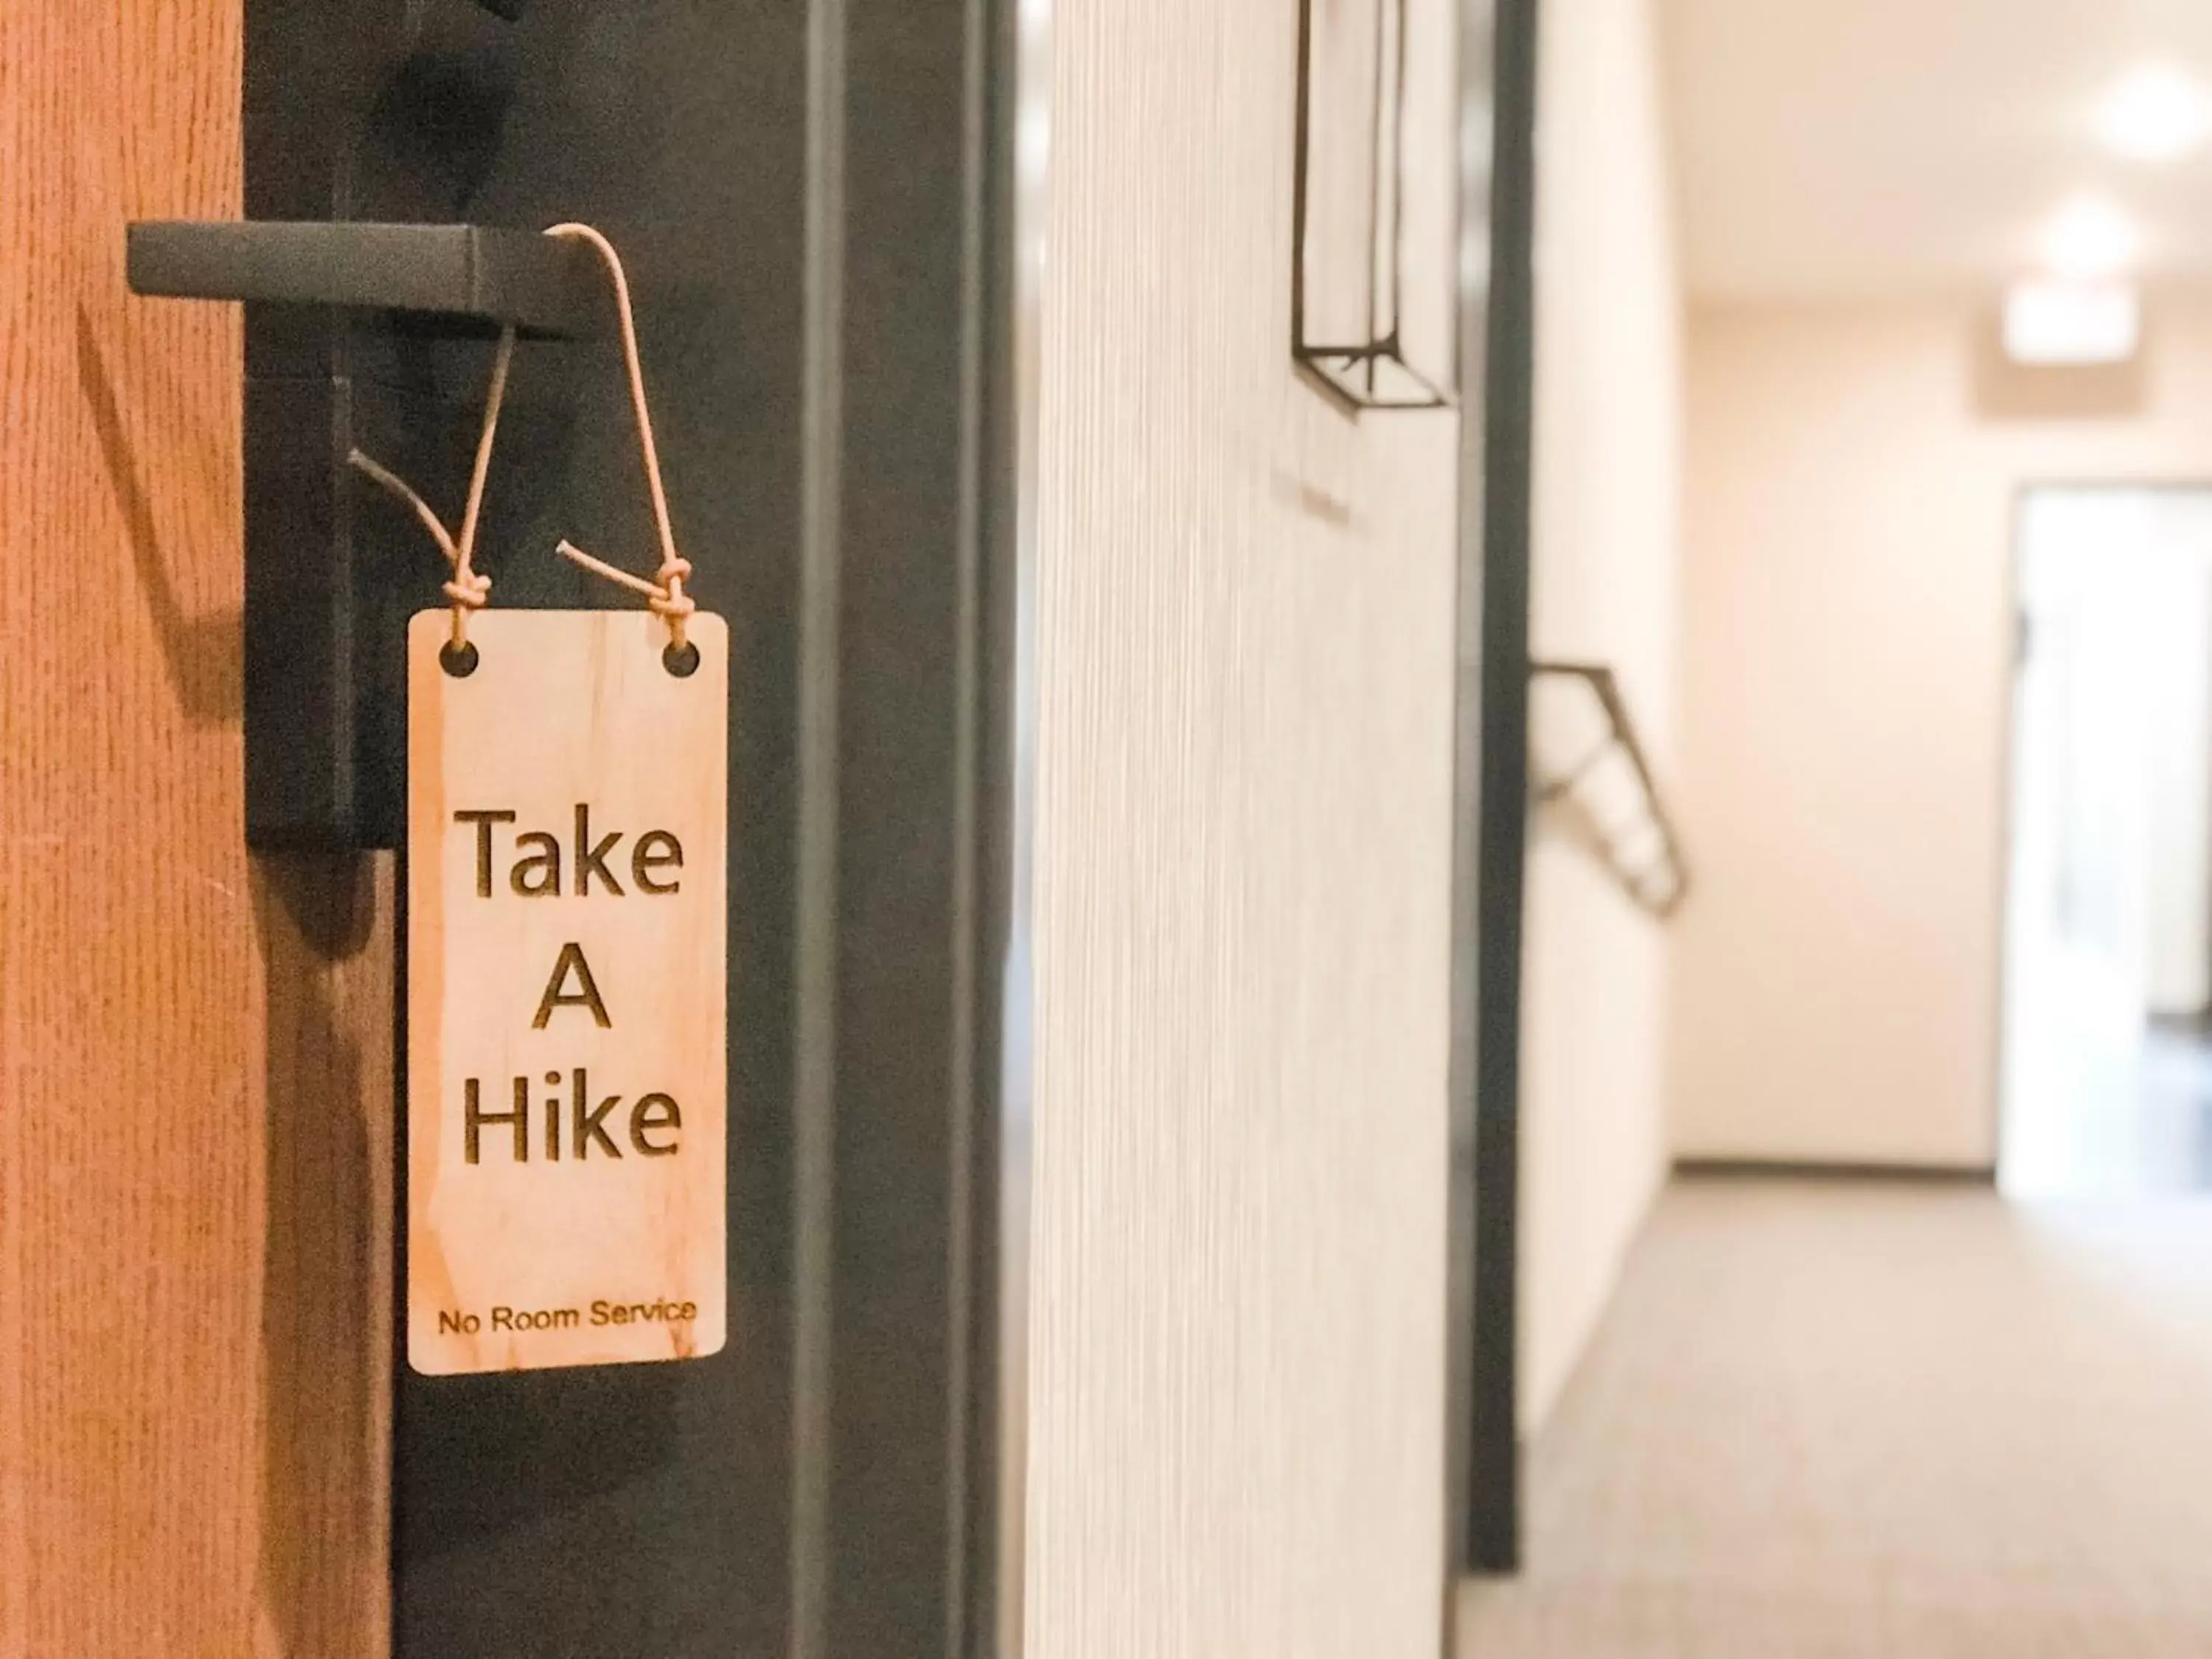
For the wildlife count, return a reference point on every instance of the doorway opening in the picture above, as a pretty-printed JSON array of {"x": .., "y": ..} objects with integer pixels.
[{"x": 2106, "y": 1088}]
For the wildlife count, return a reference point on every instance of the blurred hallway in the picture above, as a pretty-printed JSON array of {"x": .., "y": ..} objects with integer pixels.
[
  {"x": 2107, "y": 1083},
  {"x": 2110, "y": 1110},
  {"x": 1859, "y": 1421}
]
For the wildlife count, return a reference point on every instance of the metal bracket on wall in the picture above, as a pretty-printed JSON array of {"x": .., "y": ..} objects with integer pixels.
[
  {"x": 1373, "y": 293},
  {"x": 1640, "y": 847},
  {"x": 322, "y": 636}
]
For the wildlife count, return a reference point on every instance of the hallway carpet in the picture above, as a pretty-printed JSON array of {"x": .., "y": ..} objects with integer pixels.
[{"x": 1859, "y": 1421}]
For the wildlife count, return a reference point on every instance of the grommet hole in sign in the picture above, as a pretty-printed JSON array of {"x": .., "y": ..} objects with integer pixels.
[{"x": 568, "y": 927}]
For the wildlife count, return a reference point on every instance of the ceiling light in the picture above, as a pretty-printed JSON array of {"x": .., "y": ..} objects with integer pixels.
[
  {"x": 2072, "y": 324},
  {"x": 2090, "y": 238},
  {"x": 2156, "y": 114}
]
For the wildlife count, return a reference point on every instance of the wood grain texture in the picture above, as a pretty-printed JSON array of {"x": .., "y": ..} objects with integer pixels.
[
  {"x": 588, "y": 1227},
  {"x": 194, "y": 1052},
  {"x": 1244, "y": 641},
  {"x": 328, "y": 1115}
]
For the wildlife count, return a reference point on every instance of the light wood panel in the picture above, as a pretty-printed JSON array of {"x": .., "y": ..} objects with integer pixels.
[
  {"x": 195, "y": 1067},
  {"x": 1244, "y": 651},
  {"x": 568, "y": 936}
]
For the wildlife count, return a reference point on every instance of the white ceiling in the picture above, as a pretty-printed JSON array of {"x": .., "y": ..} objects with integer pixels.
[{"x": 1852, "y": 147}]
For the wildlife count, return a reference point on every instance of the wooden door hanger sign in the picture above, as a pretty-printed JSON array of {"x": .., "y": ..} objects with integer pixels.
[{"x": 567, "y": 929}]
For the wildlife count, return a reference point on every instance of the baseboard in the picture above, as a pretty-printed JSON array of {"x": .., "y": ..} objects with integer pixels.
[{"x": 1757, "y": 1168}]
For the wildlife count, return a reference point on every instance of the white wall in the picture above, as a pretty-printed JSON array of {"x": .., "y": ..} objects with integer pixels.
[
  {"x": 1847, "y": 632},
  {"x": 1607, "y": 498},
  {"x": 1244, "y": 641}
]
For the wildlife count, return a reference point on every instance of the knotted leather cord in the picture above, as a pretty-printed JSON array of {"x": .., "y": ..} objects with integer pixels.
[
  {"x": 467, "y": 587},
  {"x": 664, "y": 593}
]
